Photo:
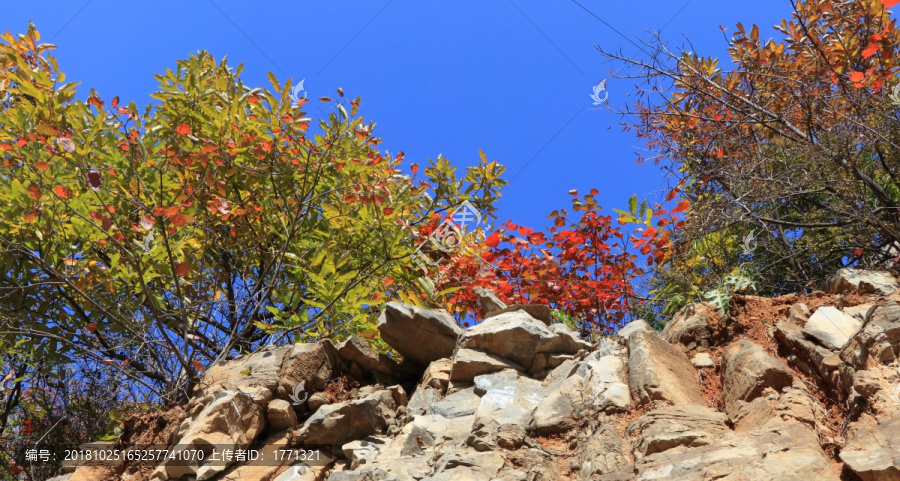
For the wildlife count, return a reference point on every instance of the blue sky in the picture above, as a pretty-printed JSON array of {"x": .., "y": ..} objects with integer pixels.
[{"x": 510, "y": 77}]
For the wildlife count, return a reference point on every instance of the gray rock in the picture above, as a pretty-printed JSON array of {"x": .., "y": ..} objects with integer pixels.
[
  {"x": 858, "y": 312},
  {"x": 657, "y": 370},
  {"x": 507, "y": 398},
  {"x": 520, "y": 338},
  {"x": 355, "y": 350},
  {"x": 537, "y": 311},
  {"x": 310, "y": 364},
  {"x": 420, "y": 335},
  {"x": 254, "y": 374},
  {"x": 831, "y": 327},
  {"x": 878, "y": 339},
  {"x": 747, "y": 371},
  {"x": 458, "y": 404},
  {"x": 340, "y": 423},
  {"x": 862, "y": 282},
  {"x": 468, "y": 363},
  {"x": 687, "y": 425}
]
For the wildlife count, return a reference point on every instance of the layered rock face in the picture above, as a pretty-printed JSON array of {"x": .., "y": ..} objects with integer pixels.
[{"x": 783, "y": 389}]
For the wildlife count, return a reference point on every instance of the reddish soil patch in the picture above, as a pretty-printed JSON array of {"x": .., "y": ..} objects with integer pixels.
[
  {"x": 553, "y": 443},
  {"x": 341, "y": 389}
]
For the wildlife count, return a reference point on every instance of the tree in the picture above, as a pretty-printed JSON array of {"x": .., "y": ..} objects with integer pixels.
[
  {"x": 152, "y": 242},
  {"x": 796, "y": 146}
]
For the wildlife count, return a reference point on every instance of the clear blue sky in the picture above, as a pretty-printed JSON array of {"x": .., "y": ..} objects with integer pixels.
[{"x": 510, "y": 77}]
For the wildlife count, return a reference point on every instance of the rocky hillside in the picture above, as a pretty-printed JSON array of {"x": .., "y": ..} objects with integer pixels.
[{"x": 791, "y": 388}]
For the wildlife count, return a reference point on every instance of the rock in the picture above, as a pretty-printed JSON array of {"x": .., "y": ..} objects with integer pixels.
[
  {"x": 468, "y": 363},
  {"x": 507, "y": 398},
  {"x": 605, "y": 451},
  {"x": 317, "y": 400},
  {"x": 831, "y": 327},
  {"x": 355, "y": 350},
  {"x": 364, "y": 451},
  {"x": 520, "y": 338},
  {"x": 537, "y": 311},
  {"x": 702, "y": 360},
  {"x": 862, "y": 282},
  {"x": 420, "y": 335},
  {"x": 468, "y": 466},
  {"x": 458, "y": 404},
  {"x": 878, "y": 339},
  {"x": 747, "y": 371},
  {"x": 657, "y": 370},
  {"x": 340, "y": 423},
  {"x": 605, "y": 382},
  {"x": 632, "y": 327},
  {"x": 874, "y": 454},
  {"x": 805, "y": 355},
  {"x": 488, "y": 302},
  {"x": 798, "y": 313},
  {"x": 693, "y": 326},
  {"x": 310, "y": 364},
  {"x": 859, "y": 312},
  {"x": 787, "y": 452},
  {"x": 254, "y": 374},
  {"x": 687, "y": 425},
  {"x": 510, "y": 436},
  {"x": 231, "y": 419},
  {"x": 281, "y": 415}
]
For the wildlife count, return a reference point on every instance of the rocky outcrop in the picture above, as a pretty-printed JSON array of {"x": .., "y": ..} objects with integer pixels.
[{"x": 812, "y": 393}]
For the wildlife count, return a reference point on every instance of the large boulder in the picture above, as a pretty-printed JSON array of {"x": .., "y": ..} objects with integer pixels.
[
  {"x": 748, "y": 371},
  {"x": 537, "y": 311},
  {"x": 657, "y": 370},
  {"x": 522, "y": 339},
  {"x": 488, "y": 302},
  {"x": 861, "y": 282},
  {"x": 255, "y": 374},
  {"x": 468, "y": 363},
  {"x": 420, "y": 335},
  {"x": 307, "y": 367}
]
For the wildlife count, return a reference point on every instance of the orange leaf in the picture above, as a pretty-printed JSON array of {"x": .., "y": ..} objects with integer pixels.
[
  {"x": 115, "y": 101},
  {"x": 651, "y": 232},
  {"x": 414, "y": 168},
  {"x": 889, "y": 3},
  {"x": 253, "y": 99},
  {"x": 63, "y": 191},
  {"x": 856, "y": 77},
  {"x": 107, "y": 362},
  {"x": 92, "y": 327},
  {"x": 671, "y": 195},
  {"x": 34, "y": 192},
  {"x": 182, "y": 269},
  {"x": 388, "y": 210},
  {"x": 681, "y": 207},
  {"x": 183, "y": 129},
  {"x": 870, "y": 50},
  {"x": 197, "y": 365}
]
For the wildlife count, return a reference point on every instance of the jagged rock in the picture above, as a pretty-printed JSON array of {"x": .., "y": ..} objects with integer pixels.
[
  {"x": 798, "y": 313},
  {"x": 340, "y": 423},
  {"x": 467, "y": 465},
  {"x": 507, "y": 398},
  {"x": 310, "y": 364},
  {"x": 420, "y": 335},
  {"x": 317, "y": 400},
  {"x": 264, "y": 466},
  {"x": 231, "y": 418},
  {"x": 255, "y": 374},
  {"x": 688, "y": 425},
  {"x": 537, "y": 311},
  {"x": 604, "y": 452},
  {"x": 510, "y": 436},
  {"x": 692, "y": 326},
  {"x": 859, "y": 312},
  {"x": 786, "y": 452},
  {"x": 468, "y": 363},
  {"x": 862, "y": 282},
  {"x": 747, "y": 371},
  {"x": 874, "y": 454},
  {"x": 520, "y": 338},
  {"x": 605, "y": 384},
  {"x": 805, "y": 355},
  {"x": 356, "y": 351},
  {"x": 657, "y": 370},
  {"x": 831, "y": 327},
  {"x": 878, "y": 339},
  {"x": 488, "y": 302},
  {"x": 458, "y": 404},
  {"x": 364, "y": 451},
  {"x": 702, "y": 360},
  {"x": 794, "y": 404},
  {"x": 281, "y": 415}
]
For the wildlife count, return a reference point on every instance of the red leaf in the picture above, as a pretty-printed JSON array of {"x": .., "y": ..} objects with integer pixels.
[
  {"x": 183, "y": 129},
  {"x": 388, "y": 210},
  {"x": 92, "y": 327},
  {"x": 414, "y": 168},
  {"x": 651, "y": 232},
  {"x": 856, "y": 77},
  {"x": 857, "y": 252},
  {"x": 94, "y": 180},
  {"x": 107, "y": 362},
  {"x": 197, "y": 365},
  {"x": 525, "y": 231},
  {"x": 671, "y": 195},
  {"x": 681, "y": 207},
  {"x": 115, "y": 101},
  {"x": 182, "y": 269},
  {"x": 889, "y": 3},
  {"x": 253, "y": 99},
  {"x": 493, "y": 240},
  {"x": 34, "y": 192}
]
